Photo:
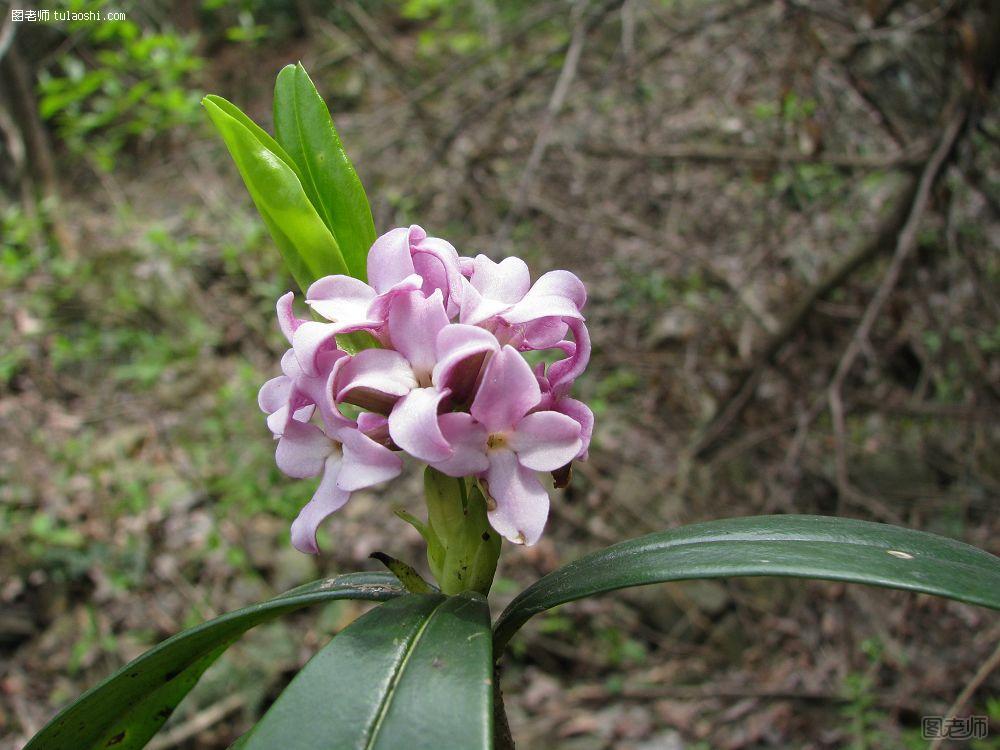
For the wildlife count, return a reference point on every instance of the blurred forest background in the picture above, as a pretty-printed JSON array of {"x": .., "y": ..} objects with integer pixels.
[{"x": 786, "y": 212}]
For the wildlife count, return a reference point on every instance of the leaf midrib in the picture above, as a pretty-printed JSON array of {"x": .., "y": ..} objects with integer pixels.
[
  {"x": 397, "y": 676},
  {"x": 328, "y": 219}
]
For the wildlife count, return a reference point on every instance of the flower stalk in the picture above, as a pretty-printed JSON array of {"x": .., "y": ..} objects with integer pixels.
[{"x": 462, "y": 547}]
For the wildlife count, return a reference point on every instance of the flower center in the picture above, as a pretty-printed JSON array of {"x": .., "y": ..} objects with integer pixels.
[
  {"x": 496, "y": 440},
  {"x": 424, "y": 379}
]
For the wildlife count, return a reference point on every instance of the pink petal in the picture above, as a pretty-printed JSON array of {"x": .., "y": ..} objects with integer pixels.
[
  {"x": 327, "y": 499},
  {"x": 413, "y": 425},
  {"x": 278, "y": 420},
  {"x": 509, "y": 390},
  {"x": 290, "y": 365},
  {"x": 342, "y": 299},
  {"x": 436, "y": 261},
  {"x": 366, "y": 463},
  {"x": 543, "y": 333},
  {"x": 286, "y": 317},
  {"x": 414, "y": 322},
  {"x": 506, "y": 281},
  {"x": 310, "y": 339},
  {"x": 562, "y": 373},
  {"x": 379, "y": 309},
  {"x": 468, "y": 443},
  {"x": 461, "y": 351},
  {"x": 389, "y": 260},
  {"x": 493, "y": 288},
  {"x": 534, "y": 308},
  {"x": 522, "y": 504},
  {"x": 561, "y": 284},
  {"x": 545, "y": 440},
  {"x": 375, "y": 426},
  {"x": 302, "y": 450},
  {"x": 274, "y": 394},
  {"x": 582, "y": 415},
  {"x": 314, "y": 387},
  {"x": 555, "y": 294},
  {"x": 373, "y": 379},
  {"x": 320, "y": 390}
]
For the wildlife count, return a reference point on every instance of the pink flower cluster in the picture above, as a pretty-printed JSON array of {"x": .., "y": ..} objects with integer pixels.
[{"x": 448, "y": 384}]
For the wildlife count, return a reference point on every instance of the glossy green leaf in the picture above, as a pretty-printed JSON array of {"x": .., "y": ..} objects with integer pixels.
[
  {"x": 303, "y": 126},
  {"x": 309, "y": 249},
  {"x": 255, "y": 130},
  {"x": 839, "y": 549},
  {"x": 129, "y": 707},
  {"x": 415, "y": 673}
]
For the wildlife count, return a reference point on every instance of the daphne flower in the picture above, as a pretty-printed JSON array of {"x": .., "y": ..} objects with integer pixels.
[
  {"x": 302, "y": 386},
  {"x": 348, "y": 462},
  {"x": 504, "y": 442},
  {"x": 401, "y": 261},
  {"x": 504, "y": 290},
  {"x": 433, "y": 360},
  {"x": 446, "y": 385}
]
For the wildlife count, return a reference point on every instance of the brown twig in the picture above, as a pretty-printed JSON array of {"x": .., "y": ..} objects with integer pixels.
[
  {"x": 515, "y": 85},
  {"x": 542, "y": 138},
  {"x": 698, "y": 152},
  {"x": 197, "y": 723},
  {"x": 599, "y": 693},
  {"x": 977, "y": 679},
  {"x": 403, "y": 74},
  {"x": 739, "y": 394},
  {"x": 905, "y": 243},
  {"x": 7, "y": 34},
  {"x": 898, "y": 231}
]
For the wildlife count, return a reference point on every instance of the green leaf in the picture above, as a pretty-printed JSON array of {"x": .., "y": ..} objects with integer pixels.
[
  {"x": 407, "y": 574},
  {"x": 255, "y": 130},
  {"x": 839, "y": 549},
  {"x": 303, "y": 126},
  {"x": 129, "y": 707},
  {"x": 306, "y": 244},
  {"x": 414, "y": 673}
]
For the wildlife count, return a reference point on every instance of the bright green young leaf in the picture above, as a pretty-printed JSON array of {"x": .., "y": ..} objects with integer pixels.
[
  {"x": 414, "y": 673},
  {"x": 839, "y": 549},
  {"x": 129, "y": 707},
  {"x": 306, "y": 244},
  {"x": 255, "y": 130},
  {"x": 302, "y": 124}
]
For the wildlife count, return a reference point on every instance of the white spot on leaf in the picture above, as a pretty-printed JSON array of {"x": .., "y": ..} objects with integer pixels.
[{"x": 900, "y": 555}]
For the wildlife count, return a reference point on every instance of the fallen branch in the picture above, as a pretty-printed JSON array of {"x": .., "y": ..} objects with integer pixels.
[
  {"x": 197, "y": 723},
  {"x": 513, "y": 87},
  {"x": 555, "y": 105},
  {"x": 763, "y": 156},
  {"x": 977, "y": 679},
  {"x": 738, "y": 395},
  {"x": 898, "y": 228}
]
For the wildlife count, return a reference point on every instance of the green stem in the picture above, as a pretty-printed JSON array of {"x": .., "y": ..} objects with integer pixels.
[{"x": 462, "y": 548}]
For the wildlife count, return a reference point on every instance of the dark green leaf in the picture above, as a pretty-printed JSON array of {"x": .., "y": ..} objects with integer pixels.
[
  {"x": 408, "y": 576},
  {"x": 129, "y": 707},
  {"x": 306, "y": 244},
  {"x": 838, "y": 549},
  {"x": 414, "y": 673},
  {"x": 302, "y": 124}
]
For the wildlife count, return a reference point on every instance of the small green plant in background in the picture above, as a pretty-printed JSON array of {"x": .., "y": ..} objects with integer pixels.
[
  {"x": 118, "y": 84},
  {"x": 862, "y": 713}
]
